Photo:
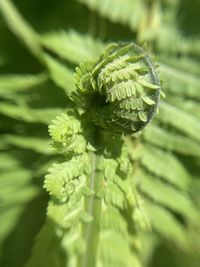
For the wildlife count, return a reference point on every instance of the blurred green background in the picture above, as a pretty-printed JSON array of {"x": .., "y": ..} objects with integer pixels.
[{"x": 36, "y": 71}]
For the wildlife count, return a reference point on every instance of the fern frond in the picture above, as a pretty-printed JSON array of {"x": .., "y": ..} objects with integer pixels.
[
  {"x": 48, "y": 241},
  {"x": 61, "y": 176},
  {"x": 16, "y": 190},
  {"x": 10, "y": 193},
  {"x": 125, "y": 12},
  {"x": 166, "y": 225},
  {"x": 8, "y": 162},
  {"x": 180, "y": 120},
  {"x": 66, "y": 132},
  {"x": 39, "y": 145},
  {"x": 60, "y": 74},
  {"x": 10, "y": 84},
  {"x": 169, "y": 34},
  {"x": 165, "y": 165},
  {"x": 180, "y": 82},
  {"x": 27, "y": 114},
  {"x": 72, "y": 214},
  {"x": 190, "y": 106},
  {"x": 106, "y": 188},
  {"x": 170, "y": 141},
  {"x": 82, "y": 189},
  {"x": 182, "y": 63},
  {"x": 65, "y": 183},
  {"x": 131, "y": 93},
  {"x": 119, "y": 196},
  {"x": 72, "y": 45},
  {"x": 8, "y": 219},
  {"x": 166, "y": 195},
  {"x": 114, "y": 241},
  {"x": 20, "y": 27},
  {"x": 63, "y": 127},
  {"x": 114, "y": 196}
]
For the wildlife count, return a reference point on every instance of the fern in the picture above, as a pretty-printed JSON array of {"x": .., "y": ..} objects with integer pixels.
[
  {"x": 107, "y": 183},
  {"x": 20, "y": 27},
  {"x": 27, "y": 114},
  {"x": 167, "y": 196},
  {"x": 172, "y": 141},
  {"x": 190, "y": 106},
  {"x": 136, "y": 14},
  {"x": 172, "y": 35},
  {"x": 95, "y": 180},
  {"x": 60, "y": 74},
  {"x": 11, "y": 84},
  {"x": 180, "y": 120},
  {"x": 40, "y": 145},
  {"x": 16, "y": 192},
  {"x": 109, "y": 192},
  {"x": 176, "y": 81},
  {"x": 67, "y": 45},
  {"x": 165, "y": 224},
  {"x": 164, "y": 165}
]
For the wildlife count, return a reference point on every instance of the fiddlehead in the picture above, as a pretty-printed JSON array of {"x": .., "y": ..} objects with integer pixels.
[
  {"x": 94, "y": 200},
  {"x": 120, "y": 91}
]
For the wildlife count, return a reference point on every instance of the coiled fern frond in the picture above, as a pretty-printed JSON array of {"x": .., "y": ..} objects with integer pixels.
[
  {"x": 105, "y": 188},
  {"x": 94, "y": 200},
  {"x": 121, "y": 89}
]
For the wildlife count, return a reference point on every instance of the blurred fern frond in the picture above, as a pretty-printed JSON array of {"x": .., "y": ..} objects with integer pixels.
[{"x": 165, "y": 157}]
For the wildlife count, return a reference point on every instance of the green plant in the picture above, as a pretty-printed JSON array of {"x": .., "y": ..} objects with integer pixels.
[
  {"x": 145, "y": 190},
  {"x": 94, "y": 199}
]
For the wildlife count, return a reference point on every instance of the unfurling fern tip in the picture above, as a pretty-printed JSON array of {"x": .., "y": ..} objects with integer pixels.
[{"x": 120, "y": 91}]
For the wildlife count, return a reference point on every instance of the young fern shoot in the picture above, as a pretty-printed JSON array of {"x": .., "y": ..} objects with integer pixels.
[{"x": 94, "y": 204}]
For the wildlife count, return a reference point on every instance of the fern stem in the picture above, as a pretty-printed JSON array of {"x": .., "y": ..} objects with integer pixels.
[{"x": 93, "y": 207}]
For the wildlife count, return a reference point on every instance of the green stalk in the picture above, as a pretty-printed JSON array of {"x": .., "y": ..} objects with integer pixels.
[{"x": 93, "y": 206}]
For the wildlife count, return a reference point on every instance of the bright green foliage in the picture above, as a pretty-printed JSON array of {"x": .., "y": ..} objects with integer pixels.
[
  {"x": 72, "y": 46},
  {"x": 132, "y": 13},
  {"x": 121, "y": 88},
  {"x": 92, "y": 190},
  {"x": 112, "y": 200}
]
